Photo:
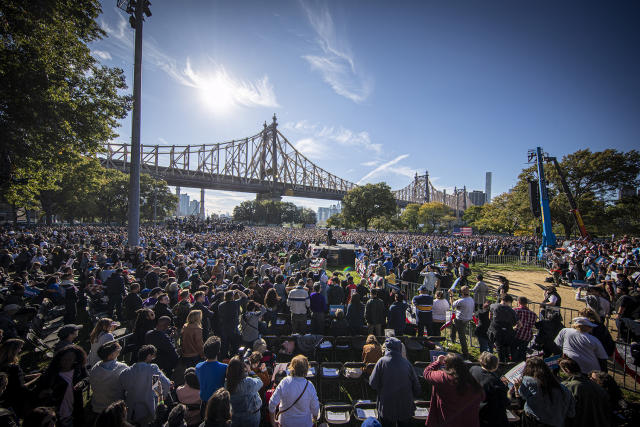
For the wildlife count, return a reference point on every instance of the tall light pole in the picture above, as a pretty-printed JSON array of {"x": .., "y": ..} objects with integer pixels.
[{"x": 137, "y": 9}]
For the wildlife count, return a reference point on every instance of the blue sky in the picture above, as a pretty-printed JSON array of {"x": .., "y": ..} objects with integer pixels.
[{"x": 377, "y": 90}]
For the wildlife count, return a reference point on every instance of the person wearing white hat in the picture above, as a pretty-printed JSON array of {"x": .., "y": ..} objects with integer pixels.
[{"x": 578, "y": 344}]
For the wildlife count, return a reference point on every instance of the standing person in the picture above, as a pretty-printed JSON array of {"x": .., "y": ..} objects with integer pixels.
[
  {"x": 249, "y": 322},
  {"x": 102, "y": 333},
  {"x": 143, "y": 383},
  {"x": 191, "y": 342},
  {"x": 355, "y": 315},
  {"x": 61, "y": 384},
  {"x": 207, "y": 315},
  {"x": 439, "y": 313},
  {"x": 501, "y": 332},
  {"x": 131, "y": 304},
  {"x": 493, "y": 408},
  {"x": 592, "y": 401},
  {"x": 166, "y": 356},
  {"x": 482, "y": 329},
  {"x": 464, "y": 313},
  {"x": 398, "y": 314},
  {"x": 503, "y": 288},
  {"x": 578, "y": 344},
  {"x": 396, "y": 383},
  {"x": 296, "y": 397},
  {"x": 116, "y": 291},
  {"x": 229, "y": 320},
  {"x": 298, "y": 302},
  {"x": 431, "y": 280},
  {"x": 210, "y": 373},
  {"x": 104, "y": 377},
  {"x": 145, "y": 321},
  {"x": 423, "y": 305},
  {"x": 374, "y": 313},
  {"x": 456, "y": 395},
  {"x": 524, "y": 330},
  {"x": 17, "y": 389},
  {"x": 161, "y": 308},
  {"x": 480, "y": 292},
  {"x": 189, "y": 394},
  {"x": 318, "y": 306},
  {"x": 546, "y": 401},
  {"x": 245, "y": 400}
]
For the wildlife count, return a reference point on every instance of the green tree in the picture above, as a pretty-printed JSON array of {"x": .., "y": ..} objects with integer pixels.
[
  {"x": 472, "y": 215},
  {"x": 410, "y": 216},
  {"x": 111, "y": 201},
  {"x": 363, "y": 203},
  {"x": 307, "y": 216},
  {"x": 155, "y": 195},
  {"x": 433, "y": 213},
  {"x": 336, "y": 221},
  {"x": 57, "y": 102}
]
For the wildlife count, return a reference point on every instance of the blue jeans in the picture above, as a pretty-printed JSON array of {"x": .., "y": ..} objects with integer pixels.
[{"x": 485, "y": 345}]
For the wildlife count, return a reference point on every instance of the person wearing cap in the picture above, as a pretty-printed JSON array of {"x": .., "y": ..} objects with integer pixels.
[
  {"x": 396, "y": 383},
  {"x": 67, "y": 335},
  {"x": 423, "y": 304},
  {"x": 578, "y": 344}
]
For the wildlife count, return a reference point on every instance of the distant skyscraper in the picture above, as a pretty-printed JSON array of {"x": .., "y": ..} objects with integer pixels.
[
  {"x": 477, "y": 197},
  {"x": 184, "y": 204},
  {"x": 487, "y": 188},
  {"x": 326, "y": 213},
  {"x": 194, "y": 207}
]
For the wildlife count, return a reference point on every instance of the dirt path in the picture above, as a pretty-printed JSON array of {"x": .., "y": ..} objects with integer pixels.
[{"x": 523, "y": 283}]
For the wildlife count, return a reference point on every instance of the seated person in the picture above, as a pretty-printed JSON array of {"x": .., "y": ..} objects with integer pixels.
[{"x": 339, "y": 325}]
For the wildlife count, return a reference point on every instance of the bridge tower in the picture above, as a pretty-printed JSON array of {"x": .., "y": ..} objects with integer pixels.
[
  {"x": 274, "y": 193},
  {"x": 427, "y": 192}
]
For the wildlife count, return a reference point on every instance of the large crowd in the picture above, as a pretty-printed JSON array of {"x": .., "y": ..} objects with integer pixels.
[{"x": 216, "y": 324}]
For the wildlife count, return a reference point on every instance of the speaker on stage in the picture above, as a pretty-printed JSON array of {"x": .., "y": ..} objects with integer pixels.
[
  {"x": 534, "y": 198},
  {"x": 330, "y": 237}
]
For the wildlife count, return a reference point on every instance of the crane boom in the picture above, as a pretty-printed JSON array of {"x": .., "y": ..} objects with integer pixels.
[{"x": 572, "y": 202}]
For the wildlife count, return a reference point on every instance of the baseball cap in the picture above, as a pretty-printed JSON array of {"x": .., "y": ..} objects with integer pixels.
[
  {"x": 423, "y": 288},
  {"x": 67, "y": 330}
]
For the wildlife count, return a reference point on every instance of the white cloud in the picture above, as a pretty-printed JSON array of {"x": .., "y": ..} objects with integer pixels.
[
  {"x": 336, "y": 64},
  {"x": 371, "y": 163},
  {"x": 229, "y": 90},
  {"x": 383, "y": 168},
  {"x": 341, "y": 135},
  {"x": 102, "y": 54},
  {"x": 311, "y": 149}
]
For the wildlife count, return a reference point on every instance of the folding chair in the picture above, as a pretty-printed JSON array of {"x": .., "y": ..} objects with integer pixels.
[
  {"x": 364, "y": 410},
  {"x": 351, "y": 375},
  {"x": 329, "y": 379},
  {"x": 343, "y": 348},
  {"x": 357, "y": 343},
  {"x": 325, "y": 349},
  {"x": 419, "y": 368},
  {"x": 337, "y": 413},
  {"x": 422, "y": 410}
]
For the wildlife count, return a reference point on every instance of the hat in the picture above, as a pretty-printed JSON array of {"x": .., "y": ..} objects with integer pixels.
[
  {"x": 583, "y": 321},
  {"x": 423, "y": 288},
  {"x": 67, "y": 330}
]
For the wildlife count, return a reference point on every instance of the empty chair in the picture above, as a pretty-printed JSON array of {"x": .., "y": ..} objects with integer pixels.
[
  {"x": 337, "y": 413},
  {"x": 363, "y": 410},
  {"x": 325, "y": 349},
  {"x": 352, "y": 379},
  {"x": 329, "y": 377},
  {"x": 343, "y": 348},
  {"x": 422, "y": 410},
  {"x": 357, "y": 343},
  {"x": 419, "y": 367}
]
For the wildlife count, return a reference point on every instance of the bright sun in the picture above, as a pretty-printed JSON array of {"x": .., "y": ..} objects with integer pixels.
[{"x": 217, "y": 93}]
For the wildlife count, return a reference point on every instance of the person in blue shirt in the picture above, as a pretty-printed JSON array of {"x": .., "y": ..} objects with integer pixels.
[
  {"x": 211, "y": 373},
  {"x": 388, "y": 264},
  {"x": 423, "y": 304},
  {"x": 397, "y": 314}
]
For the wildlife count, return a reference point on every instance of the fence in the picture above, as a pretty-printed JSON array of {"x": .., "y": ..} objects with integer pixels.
[
  {"x": 528, "y": 259},
  {"x": 620, "y": 366}
]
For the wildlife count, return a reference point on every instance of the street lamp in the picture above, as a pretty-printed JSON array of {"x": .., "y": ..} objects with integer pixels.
[{"x": 137, "y": 9}]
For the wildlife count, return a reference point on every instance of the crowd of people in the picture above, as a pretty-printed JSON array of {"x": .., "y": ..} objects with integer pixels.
[{"x": 172, "y": 332}]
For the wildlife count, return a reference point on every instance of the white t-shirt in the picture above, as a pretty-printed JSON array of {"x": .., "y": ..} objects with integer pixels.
[
  {"x": 430, "y": 280},
  {"x": 464, "y": 308},
  {"x": 439, "y": 310},
  {"x": 584, "y": 348}
]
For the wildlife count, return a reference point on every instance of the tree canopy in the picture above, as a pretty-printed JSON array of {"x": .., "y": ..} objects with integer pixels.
[
  {"x": 56, "y": 101},
  {"x": 363, "y": 203},
  {"x": 273, "y": 212}
]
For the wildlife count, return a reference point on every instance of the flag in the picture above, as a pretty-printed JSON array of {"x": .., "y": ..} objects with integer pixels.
[{"x": 466, "y": 231}]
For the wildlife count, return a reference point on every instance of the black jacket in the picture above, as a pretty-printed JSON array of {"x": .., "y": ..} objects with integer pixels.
[
  {"x": 167, "y": 356},
  {"x": 496, "y": 402},
  {"x": 131, "y": 304}
]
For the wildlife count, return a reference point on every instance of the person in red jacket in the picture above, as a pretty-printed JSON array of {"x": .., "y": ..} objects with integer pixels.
[{"x": 456, "y": 395}]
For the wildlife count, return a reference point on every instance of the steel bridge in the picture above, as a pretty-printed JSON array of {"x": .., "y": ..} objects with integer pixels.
[{"x": 266, "y": 164}]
